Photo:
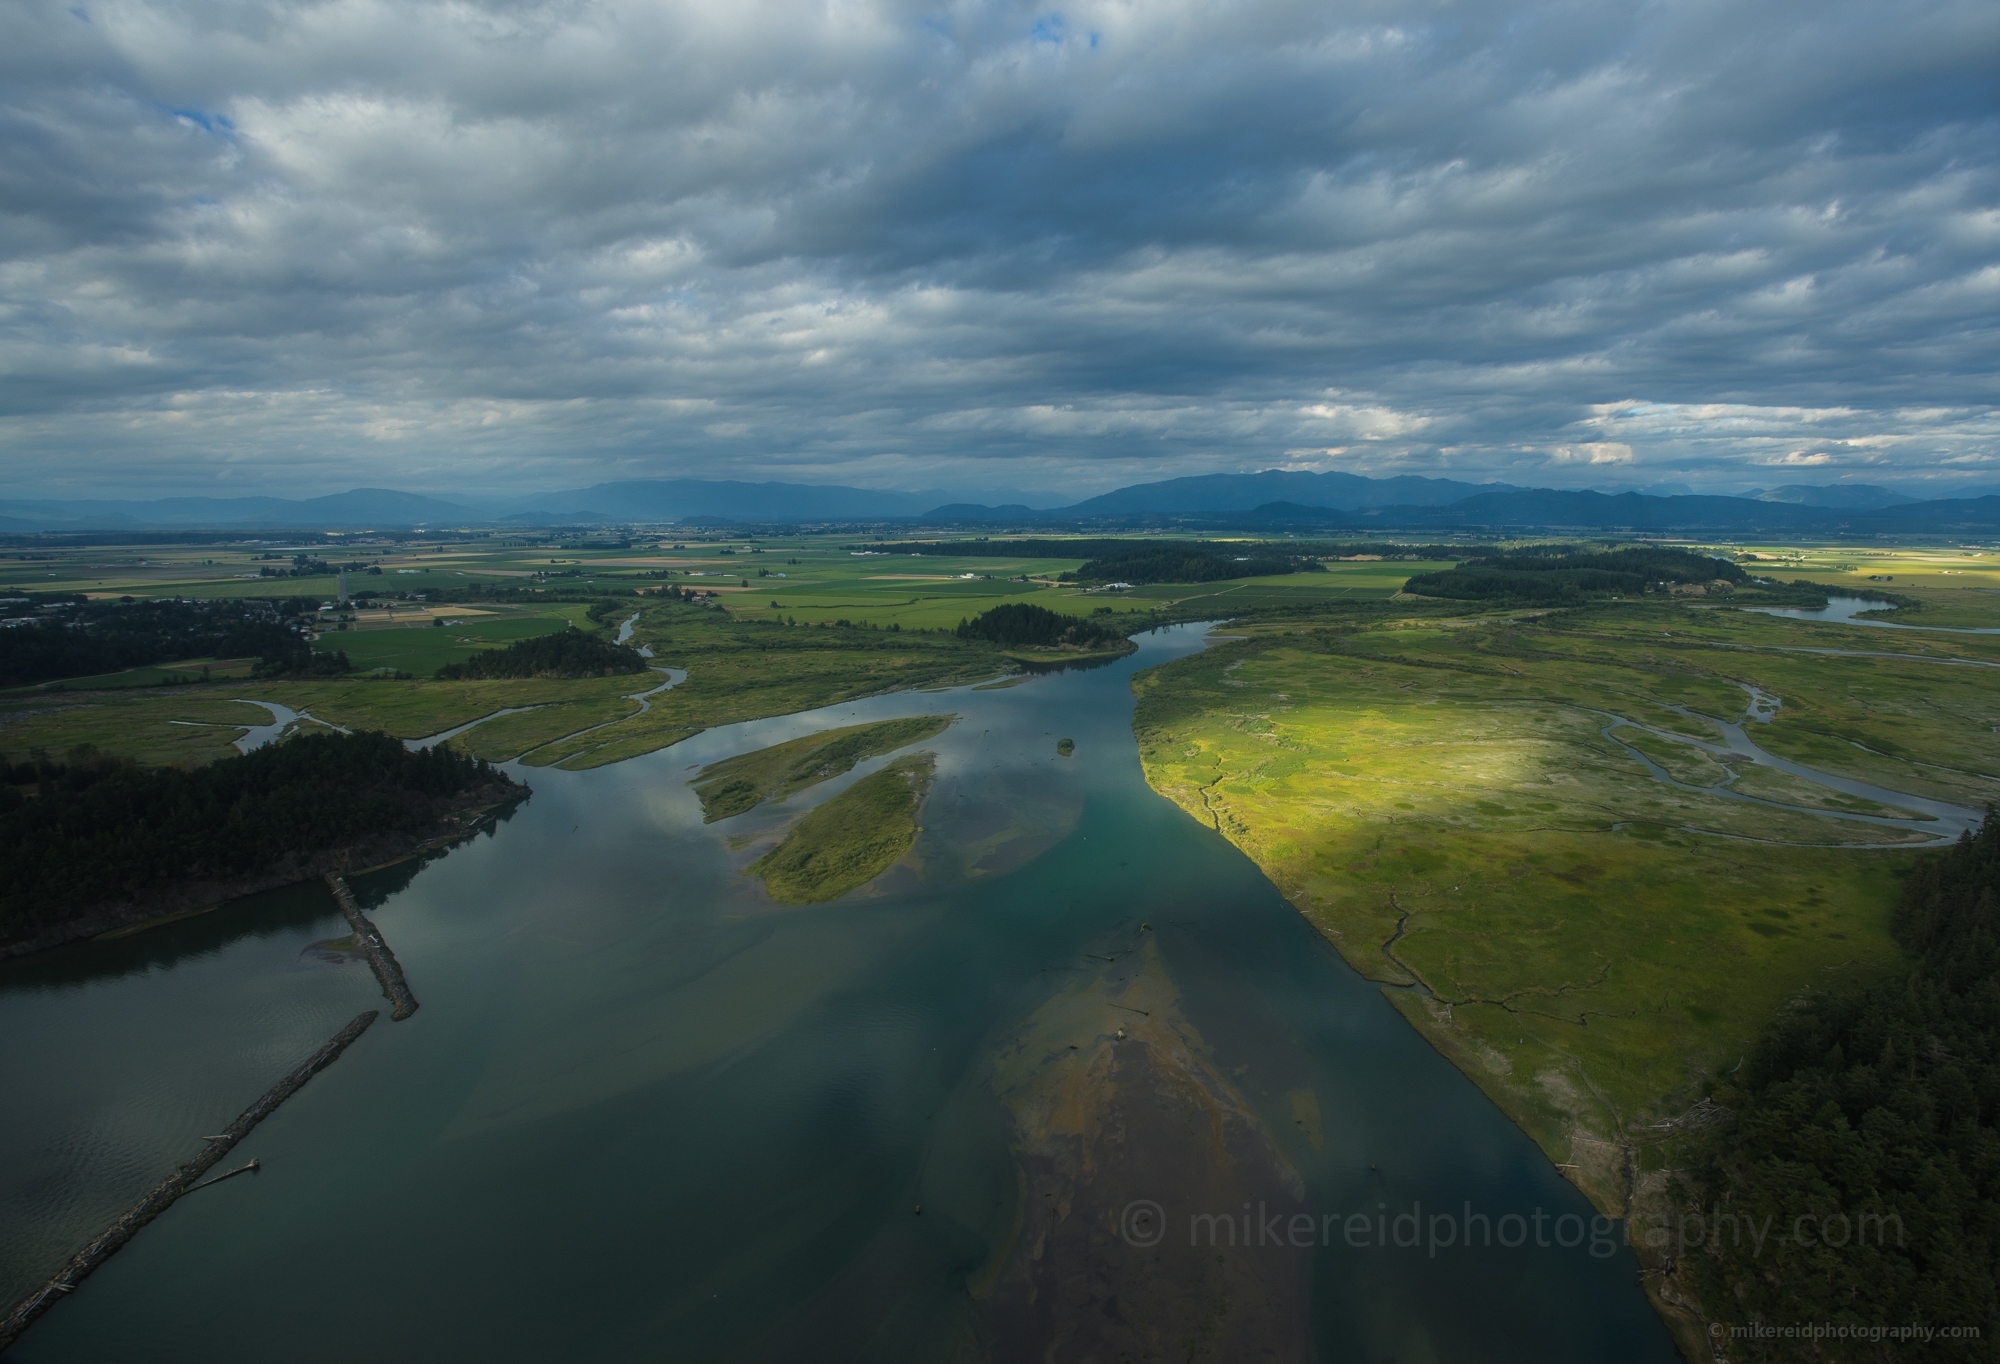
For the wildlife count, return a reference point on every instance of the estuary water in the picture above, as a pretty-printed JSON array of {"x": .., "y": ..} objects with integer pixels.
[{"x": 644, "y": 1114}]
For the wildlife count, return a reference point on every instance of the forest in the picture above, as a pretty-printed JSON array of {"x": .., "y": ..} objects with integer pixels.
[
  {"x": 1866, "y": 1143},
  {"x": 1023, "y": 623},
  {"x": 1541, "y": 576},
  {"x": 1142, "y": 564},
  {"x": 100, "y": 828},
  {"x": 105, "y": 637},
  {"x": 567, "y": 653}
]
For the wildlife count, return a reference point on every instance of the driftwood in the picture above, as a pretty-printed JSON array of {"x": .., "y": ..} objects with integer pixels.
[{"x": 387, "y": 969}]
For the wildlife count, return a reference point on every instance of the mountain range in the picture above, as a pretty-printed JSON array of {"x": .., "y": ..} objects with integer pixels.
[
  {"x": 1845, "y": 496},
  {"x": 1273, "y": 498},
  {"x": 1548, "y": 510}
]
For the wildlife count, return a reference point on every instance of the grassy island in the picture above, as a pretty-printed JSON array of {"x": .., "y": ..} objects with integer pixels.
[
  {"x": 737, "y": 785},
  {"x": 851, "y": 839}
]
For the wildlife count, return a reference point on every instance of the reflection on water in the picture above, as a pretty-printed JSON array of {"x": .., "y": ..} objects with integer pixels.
[{"x": 645, "y": 1113}]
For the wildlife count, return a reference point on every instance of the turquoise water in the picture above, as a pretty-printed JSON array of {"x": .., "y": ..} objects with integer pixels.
[{"x": 643, "y": 1114}]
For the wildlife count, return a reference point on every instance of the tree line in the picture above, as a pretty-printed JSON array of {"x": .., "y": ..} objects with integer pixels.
[
  {"x": 567, "y": 653},
  {"x": 1025, "y": 624},
  {"x": 104, "y": 637},
  {"x": 101, "y": 829},
  {"x": 1542, "y": 576},
  {"x": 1864, "y": 1158}
]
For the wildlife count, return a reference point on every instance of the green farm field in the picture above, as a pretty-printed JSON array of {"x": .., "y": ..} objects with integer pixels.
[
  {"x": 1953, "y": 588},
  {"x": 735, "y": 670},
  {"x": 422, "y": 646},
  {"x": 813, "y": 579}
]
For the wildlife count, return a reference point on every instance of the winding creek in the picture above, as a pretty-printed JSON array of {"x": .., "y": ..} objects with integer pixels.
[
  {"x": 1945, "y": 821},
  {"x": 645, "y": 1114}
]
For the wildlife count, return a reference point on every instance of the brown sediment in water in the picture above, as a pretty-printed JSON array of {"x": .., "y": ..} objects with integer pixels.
[{"x": 1121, "y": 1144}]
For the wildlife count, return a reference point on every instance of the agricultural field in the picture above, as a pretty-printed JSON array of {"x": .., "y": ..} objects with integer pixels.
[
  {"x": 1951, "y": 588},
  {"x": 422, "y": 640},
  {"x": 812, "y": 579},
  {"x": 848, "y": 622},
  {"x": 733, "y": 670},
  {"x": 1531, "y": 826}
]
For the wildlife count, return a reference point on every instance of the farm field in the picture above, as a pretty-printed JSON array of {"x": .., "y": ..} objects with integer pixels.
[
  {"x": 812, "y": 579},
  {"x": 419, "y": 644},
  {"x": 1956, "y": 588},
  {"x": 1463, "y": 805},
  {"x": 735, "y": 670},
  {"x": 878, "y": 621},
  {"x": 850, "y": 622}
]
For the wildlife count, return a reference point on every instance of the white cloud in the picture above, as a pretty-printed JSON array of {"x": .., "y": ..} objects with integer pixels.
[{"x": 425, "y": 242}]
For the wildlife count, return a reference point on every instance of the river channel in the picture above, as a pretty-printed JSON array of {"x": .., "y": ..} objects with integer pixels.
[
  {"x": 643, "y": 1114},
  {"x": 1848, "y": 611}
]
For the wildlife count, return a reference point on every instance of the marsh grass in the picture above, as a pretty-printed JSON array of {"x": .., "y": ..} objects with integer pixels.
[
  {"x": 850, "y": 839},
  {"x": 1591, "y": 945},
  {"x": 737, "y": 785}
]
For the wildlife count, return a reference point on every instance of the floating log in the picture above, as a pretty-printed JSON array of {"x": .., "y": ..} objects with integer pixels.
[
  {"x": 387, "y": 969},
  {"x": 174, "y": 1185},
  {"x": 217, "y": 1179}
]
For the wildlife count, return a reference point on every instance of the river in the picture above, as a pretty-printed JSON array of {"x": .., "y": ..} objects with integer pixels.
[
  {"x": 1847, "y": 611},
  {"x": 644, "y": 1114}
]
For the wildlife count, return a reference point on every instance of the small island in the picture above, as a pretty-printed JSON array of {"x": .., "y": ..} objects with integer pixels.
[
  {"x": 740, "y": 784},
  {"x": 852, "y": 838},
  {"x": 1034, "y": 634}
]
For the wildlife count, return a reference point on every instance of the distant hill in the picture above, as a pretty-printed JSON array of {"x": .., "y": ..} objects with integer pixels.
[
  {"x": 972, "y": 513},
  {"x": 1844, "y": 496},
  {"x": 1959, "y": 515},
  {"x": 1240, "y": 492},
  {"x": 546, "y": 518},
  {"x": 358, "y": 508},
  {"x": 676, "y": 499},
  {"x": 1273, "y": 499},
  {"x": 1624, "y": 511},
  {"x": 1549, "y": 510}
]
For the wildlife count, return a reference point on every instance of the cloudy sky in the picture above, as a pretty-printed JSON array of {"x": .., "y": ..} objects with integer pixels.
[{"x": 274, "y": 246}]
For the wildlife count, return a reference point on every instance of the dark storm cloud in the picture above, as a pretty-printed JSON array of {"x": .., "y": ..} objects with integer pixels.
[{"x": 283, "y": 244}]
